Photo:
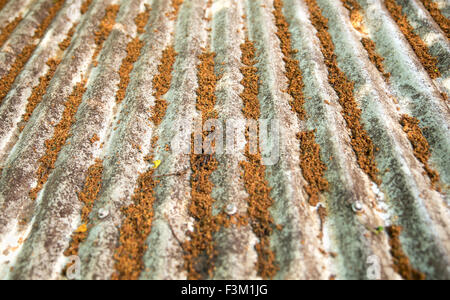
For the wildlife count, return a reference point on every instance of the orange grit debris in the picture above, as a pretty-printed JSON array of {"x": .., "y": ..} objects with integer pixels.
[
  {"x": 259, "y": 200},
  {"x": 358, "y": 23},
  {"x": 105, "y": 28},
  {"x": 421, "y": 147},
  {"x": 87, "y": 196},
  {"x": 134, "y": 48},
  {"x": 60, "y": 136},
  {"x": 200, "y": 250},
  {"x": 6, "y": 31},
  {"x": 402, "y": 264},
  {"x": 361, "y": 142},
  {"x": 428, "y": 61},
  {"x": 438, "y": 17},
  {"x": 293, "y": 72},
  {"x": 66, "y": 42},
  {"x": 3, "y": 3},
  {"x": 40, "y": 90},
  {"x": 85, "y": 6},
  {"x": 161, "y": 84},
  {"x": 8, "y": 80}
]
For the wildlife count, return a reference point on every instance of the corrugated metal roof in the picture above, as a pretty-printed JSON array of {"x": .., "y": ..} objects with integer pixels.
[{"x": 99, "y": 174}]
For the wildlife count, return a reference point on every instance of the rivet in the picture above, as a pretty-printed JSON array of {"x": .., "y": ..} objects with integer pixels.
[
  {"x": 231, "y": 209},
  {"x": 103, "y": 213},
  {"x": 357, "y": 207}
]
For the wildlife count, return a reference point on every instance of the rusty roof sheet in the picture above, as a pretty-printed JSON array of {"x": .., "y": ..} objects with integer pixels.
[{"x": 98, "y": 179}]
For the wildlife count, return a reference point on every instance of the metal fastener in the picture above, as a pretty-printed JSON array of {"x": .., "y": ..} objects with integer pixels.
[
  {"x": 357, "y": 207},
  {"x": 231, "y": 209},
  {"x": 103, "y": 213}
]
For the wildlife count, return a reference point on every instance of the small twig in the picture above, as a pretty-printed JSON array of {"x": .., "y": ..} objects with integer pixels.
[
  {"x": 173, "y": 174},
  {"x": 174, "y": 234}
]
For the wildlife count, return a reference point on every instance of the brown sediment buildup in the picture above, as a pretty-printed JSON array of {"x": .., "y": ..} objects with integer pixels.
[
  {"x": 39, "y": 91},
  {"x": 133, "y": 53},
  {"x": 3, "y": 3},
  {"x": 134, "y": 48},
  {"x": 61, "y": 134},
  {"x": 105, "y": 28},
  {"x": 200, "y": 251},
  {"x": 402, "y": 265},
  {"x": 6, "y": 31},
  {"x": 85, "y": 6},
  {"x": 420, "y": 146},
  {"x": 428, "y": 61},
  {"x": 87, "y": 196},
  {"x": 8, "y": 80},
  {"x": 293, "y": 72},
  {"x": 361, "y": 142},
  {"x": 135, "y": 229},
  {"x": 357, "y": 21},
  {"x": 66, "y": 42},
  {"x": 312, "y": 167},
  {"x": 438, "y": 17},
  {"x": 142, "y": 19},
  {"x": 161, "y": 84},
  {"x": 176, "y": 4},
  {"x": 374, "y": 57},
  {"x": 259, "y": 200}
]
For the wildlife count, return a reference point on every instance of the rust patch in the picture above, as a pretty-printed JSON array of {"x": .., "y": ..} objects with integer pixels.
[
  {"x": 68, "y": 40},
  {"x": 8, "y": 80},
  {"x": 200, "y": 250},
  {"x": 259, "y": 200},
  {"x": 161, "y": 84},
  {"x": 313, "y": 168},
  {"x": 428, "y": 61},
  {"x": 293, "y": 72},
  {"x": 8, "y": 29},
  {"x": 85, "y": 6},
  {"x": 402, "y": 265},
  {"x": 176, "y": 4},
  {"x": 39, "y": 91},
  {"x": 133, "y": 52},
  {"x": 87, "y": 196},
  {"x": 361, "y": 142},
  {"x": 61, "y": 134},
  {"x": 358, "y": 23},
  {"x": 135, "y": 229},
  {"x": 142, "y": 19},
  {"x": 421, "y": 147},
  {"x": 134, "y": 48},
  {"x": 438, "y": 17},
  {"x": 3, "y": 3},
  {"x": 374, "y": 57},
  {"x": 105, "y": 28}
]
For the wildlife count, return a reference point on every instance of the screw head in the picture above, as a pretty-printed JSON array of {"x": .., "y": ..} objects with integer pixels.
[
  {"x": 357, "y": 207},
  {"x": 231, "y": 209},
  {"x": 103, "y": 213}
]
